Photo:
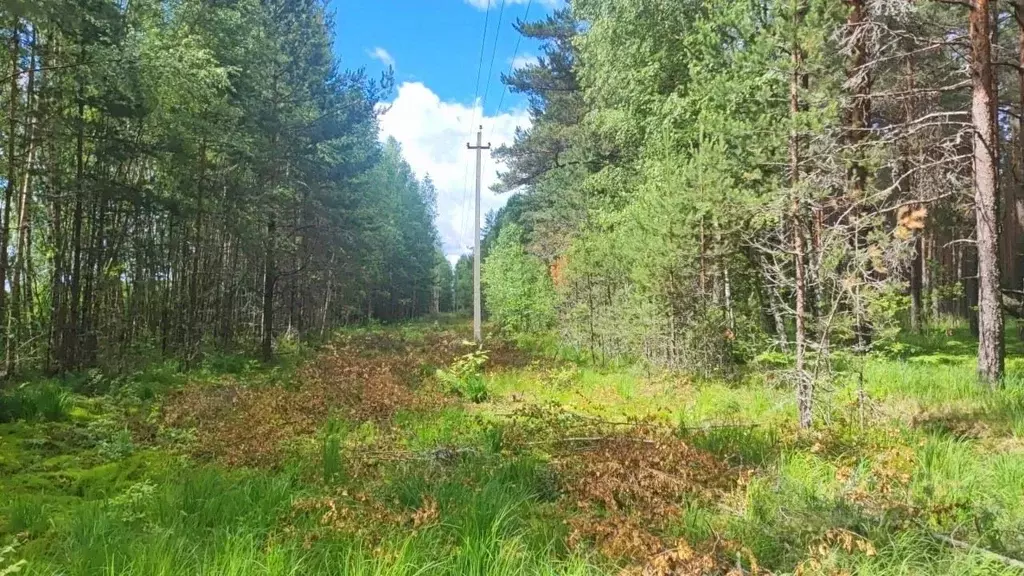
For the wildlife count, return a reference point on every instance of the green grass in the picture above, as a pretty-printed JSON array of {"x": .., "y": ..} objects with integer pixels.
[{"x": 445, "y": 490}]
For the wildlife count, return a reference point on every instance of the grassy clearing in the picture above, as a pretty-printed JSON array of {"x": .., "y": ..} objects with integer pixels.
[{"x": 363, "y": 460}]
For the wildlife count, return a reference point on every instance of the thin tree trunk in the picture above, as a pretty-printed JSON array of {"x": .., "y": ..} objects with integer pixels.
[
  {"x": 1017, "y": 208},
  {"x": 58, "y": 301},
  {"x": 194, "y": 331},
  {"x": 14, "y": 50},
  {"x": 804, "y": 390},
  {"x": 72, "y": 336},
  {"x": 703, "y": 261},
  {"x": 916, "y": 283},
  {"x": 780, "y": 322},
  {"x": 269, "y": 278},
  {"x": 858, "y": 118},
  {"x": 22, "y": 257}
]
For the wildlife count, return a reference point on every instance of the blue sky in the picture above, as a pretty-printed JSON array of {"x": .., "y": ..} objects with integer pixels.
[{"x": 434, "y": 47}]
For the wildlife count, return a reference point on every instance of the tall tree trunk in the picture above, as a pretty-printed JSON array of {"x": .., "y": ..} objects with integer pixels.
[
  {"x": 58, "y": 259},
  {"x": 816, "y": 274},
  {"x": 194, "y": 331},
  {"x": 93, "y": 270},
  {"x": 986, "y": 200},
  {"x": 21, "y": 254},
  {"x": 73, "y": 335},
  {"x": 858, "y": 114},
  {"x": 14, "y": 52},
  {"x": 798, "y": 79},
  {"x": 1013, "y": 219}
]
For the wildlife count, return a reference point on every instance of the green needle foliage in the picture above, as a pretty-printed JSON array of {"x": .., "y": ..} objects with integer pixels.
[
  {"x": 520, "y": 294},
  {"x": 196, "y": 177}
]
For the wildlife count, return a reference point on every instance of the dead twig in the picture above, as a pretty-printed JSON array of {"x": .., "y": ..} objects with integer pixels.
[
  {"x": 961, "y": 545},
  {"x": 704, "y": 427},
  {"x": 590, "y": 439}
]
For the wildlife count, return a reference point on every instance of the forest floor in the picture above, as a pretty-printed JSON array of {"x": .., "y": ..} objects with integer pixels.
[{"x": 358, "y": 458}]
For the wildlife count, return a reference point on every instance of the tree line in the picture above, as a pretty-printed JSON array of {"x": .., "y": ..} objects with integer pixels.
[
  {"x": 708, "y": 180},
  {"x": 191, "y": 175}
]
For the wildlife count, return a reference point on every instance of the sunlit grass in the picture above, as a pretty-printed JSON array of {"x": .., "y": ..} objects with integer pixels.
[{"x": 924, "y": 451}]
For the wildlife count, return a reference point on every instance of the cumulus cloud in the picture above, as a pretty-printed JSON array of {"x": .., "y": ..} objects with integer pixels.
[
  {"x": 433, "y": 134},
  {"x": 487, "y": 4},
  {"x": 382, "y": 56}
]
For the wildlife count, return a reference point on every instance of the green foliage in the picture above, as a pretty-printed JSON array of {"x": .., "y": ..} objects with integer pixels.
[
  {"x": 463, "y": 279},
  {"x": 520, "y": 293},
  {"x": 8, "y": 565},
  {"x": 130, "y": 505},
  {"x": 331, "y": 458},
  {"x": 26, "y": 515},
  {"x": 233, "y": 148},
  {"x": 117, "y": 446},
  {"x": 44, "y": 401},
  {"x": 465, "y": 376},
  {"x": 444, "y": 279},
  {"x": 773, "y": 359},
  {"x": 452, "y": 489},
  {"x": 884, "y": 310}
]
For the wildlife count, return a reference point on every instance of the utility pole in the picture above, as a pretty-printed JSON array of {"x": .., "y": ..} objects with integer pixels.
[{"x": 478, "y": 334}]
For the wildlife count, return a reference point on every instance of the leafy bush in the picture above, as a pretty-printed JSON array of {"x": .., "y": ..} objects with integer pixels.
[
  {"x": 519, "y": 292},
  {"x": 773, "y": 359},
  {"x": 465, "y": 376}
]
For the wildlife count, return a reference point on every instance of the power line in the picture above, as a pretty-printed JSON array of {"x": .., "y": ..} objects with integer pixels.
[
  {"x": 494, "y": 51},
  {"x": 512, "y": 64},
  {"x": 480, "y": 62},
  {"x": 476, "y": 94}
]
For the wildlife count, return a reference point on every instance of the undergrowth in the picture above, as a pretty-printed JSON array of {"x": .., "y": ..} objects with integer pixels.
[{"x": 403, "y": 451}]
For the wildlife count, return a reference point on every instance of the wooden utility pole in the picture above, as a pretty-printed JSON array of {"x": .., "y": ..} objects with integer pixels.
[{"x": 478, "y": 334}]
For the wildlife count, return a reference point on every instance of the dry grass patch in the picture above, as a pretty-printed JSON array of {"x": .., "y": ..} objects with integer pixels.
[{"x": 353, "y": 378}]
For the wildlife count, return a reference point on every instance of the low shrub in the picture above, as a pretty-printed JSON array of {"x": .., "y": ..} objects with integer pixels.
[{"x": 465, "y": 376}]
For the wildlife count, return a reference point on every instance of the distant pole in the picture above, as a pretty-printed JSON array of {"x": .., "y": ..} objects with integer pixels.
[{"x": 478, "y": 333}]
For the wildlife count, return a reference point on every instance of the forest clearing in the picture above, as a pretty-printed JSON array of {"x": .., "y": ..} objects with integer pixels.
[
  {"x": 402, "y": 450},
  {"x": 746, "y": 280}
]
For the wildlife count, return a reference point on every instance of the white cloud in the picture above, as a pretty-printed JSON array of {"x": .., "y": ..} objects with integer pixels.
[
  {"x": 523, "y": 60},
  {"x": 381, "y": 55},
  {"x": 433, "y": 135},
  {"x": 485, "y": 4}
]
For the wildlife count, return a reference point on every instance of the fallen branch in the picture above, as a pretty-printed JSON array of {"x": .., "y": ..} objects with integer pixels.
[
  {"x": 590, "y": 439},
  {"x": 600, "y": 420},
  {"x": 718, "y": 426},
  {"x": 961, "y": 545},
  {"x": 958, "y": 544}
]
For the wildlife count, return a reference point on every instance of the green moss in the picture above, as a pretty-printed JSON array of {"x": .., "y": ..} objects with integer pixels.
[{"x": 13, "y": 454}]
